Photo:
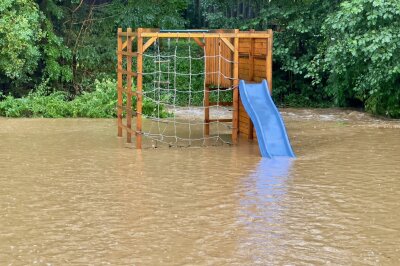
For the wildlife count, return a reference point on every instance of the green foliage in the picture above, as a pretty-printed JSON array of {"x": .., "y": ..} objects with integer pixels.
[
  {"x": 342, "y": 53},
  {"x": 20, "y": 34},
  {"x": 100, "y": 103},
  {"x": 362, "y": 54}
]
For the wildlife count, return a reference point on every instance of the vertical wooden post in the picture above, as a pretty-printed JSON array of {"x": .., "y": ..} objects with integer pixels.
[
  {"x": 269, "y": 60},
  {"x": 251, "y": 58},
  {"x": 251, "y": 78},
  {"x": 207, "y": 111},
  {"x": 235, "y": 113},
  {"x": 129, "y": 86},
  {"x": 119, "y": 83},
  {"x": 139, "y": 88}
]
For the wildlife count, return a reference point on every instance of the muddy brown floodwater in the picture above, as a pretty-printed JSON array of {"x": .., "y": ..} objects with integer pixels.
[{"x": 71, "y": 192}]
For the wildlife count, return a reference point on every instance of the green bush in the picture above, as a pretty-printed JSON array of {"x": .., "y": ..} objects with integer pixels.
[{"x": 100, "y": 103}]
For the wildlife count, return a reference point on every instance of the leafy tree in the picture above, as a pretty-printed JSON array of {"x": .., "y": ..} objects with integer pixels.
[
  {"x": 361, "y": 54},
  {"x": 20, "y": 34}
]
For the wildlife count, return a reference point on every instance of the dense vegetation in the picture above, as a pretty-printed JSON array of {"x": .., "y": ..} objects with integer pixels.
[{"x": 326, "y": 52}]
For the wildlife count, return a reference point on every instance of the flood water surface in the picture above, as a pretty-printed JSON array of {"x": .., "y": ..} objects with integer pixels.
[{"x": 71, "y": 192}]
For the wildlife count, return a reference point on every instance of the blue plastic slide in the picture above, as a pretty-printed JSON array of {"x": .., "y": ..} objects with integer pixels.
[{"x": 271, "y": 133}]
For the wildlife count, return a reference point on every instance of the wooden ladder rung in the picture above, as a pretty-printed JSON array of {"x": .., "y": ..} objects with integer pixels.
[
  {"x": 221, "y": 89},
  {"x": 221, "y": 104},
  {"x": 220, "y": 120},
  {"x": 134, "y": 54},
  {"x": 124, "y": 72}
]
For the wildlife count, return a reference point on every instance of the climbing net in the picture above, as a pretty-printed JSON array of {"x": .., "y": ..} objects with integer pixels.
[{"x": 176, "y": 95}]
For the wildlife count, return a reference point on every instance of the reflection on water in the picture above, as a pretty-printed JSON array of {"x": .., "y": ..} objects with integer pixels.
[
  {"x": 73, "y": 193},
  {"x": 261, "y": 209}
]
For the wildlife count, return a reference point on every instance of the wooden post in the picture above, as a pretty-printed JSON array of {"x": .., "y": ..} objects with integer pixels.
[
  {"x": 251, "y": 78},
  {"x": 269, "y": 60},
  {"x": 119, "y": 83},
  {"x": 129, "y": 86},
  {"x": 207, "y": 111},
  {"x": 235, "y": 113},
  {"x": 251, "y": 58},
  {"x": 139, "y": 88}
]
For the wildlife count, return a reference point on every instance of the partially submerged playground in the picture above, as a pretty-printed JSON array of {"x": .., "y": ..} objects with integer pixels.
[{"x": 223, "y": 69}]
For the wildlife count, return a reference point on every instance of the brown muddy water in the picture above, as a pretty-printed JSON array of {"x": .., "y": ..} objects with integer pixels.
[{"x": 71, "y": 192}]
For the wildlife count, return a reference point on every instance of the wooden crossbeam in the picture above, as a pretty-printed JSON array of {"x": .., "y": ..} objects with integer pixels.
[
  {"x": 126, "y": 72},
  {"x": 127, "y": 53},
  {"x": 228, "y": 43},
  {"x": 126, "y": 42},
  {"x": 199, "y": 42},
  {"x": 221, "y": 104},
  {"x": 201, "y": 35},
  {"x": 148, "y": 43},
  {"x": 224, "y": 120}
]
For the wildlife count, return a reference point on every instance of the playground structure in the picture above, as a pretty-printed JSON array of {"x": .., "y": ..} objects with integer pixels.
[{"x": 228, "y": 56}]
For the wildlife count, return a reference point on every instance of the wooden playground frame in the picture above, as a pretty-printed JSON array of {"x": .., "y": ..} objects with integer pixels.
[{"x": 250, "y": 51}]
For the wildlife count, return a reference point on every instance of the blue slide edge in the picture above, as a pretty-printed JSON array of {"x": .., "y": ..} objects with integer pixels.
[{"x": 257, "y": 119}]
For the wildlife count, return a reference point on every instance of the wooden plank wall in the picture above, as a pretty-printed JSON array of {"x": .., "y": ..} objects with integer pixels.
[
  {"x": 215, "y": 64},
  {"x": 252, "y": 68}
]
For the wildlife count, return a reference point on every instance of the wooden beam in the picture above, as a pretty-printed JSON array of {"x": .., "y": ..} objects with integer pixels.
[
  {"x": 205, "y": 35},
  {"x": 224, "y": 120},
  {"x": 228, "y": 43},
  {"x": 119, "y": 82},
  {"x": 127, "y": 53},
  {"x": 126, "y": 42},
  {"x": 269, "y": 60},
  {"x": 221, "y": 104},
  {"x": 206, "y": 111},
  {"x": 129, "y": 89},
  {"x": 148, "y": 43},
  {"x": 199, "y": 42},
  {"x": 235, "y": 113},
  {"x": 139, "y": 89}
]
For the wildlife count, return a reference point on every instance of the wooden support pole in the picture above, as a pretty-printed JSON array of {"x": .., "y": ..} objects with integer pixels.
[
  {"x": 269, "y": 60},
  {"x": 119, "y": 82},
  {"x": 206, "y": 111},
  {"x": 251, "y": 78},
  {"x": 129, "y": 89},
  {"x": 139, "y": 89},
  {"x": 235, "y": 113}
]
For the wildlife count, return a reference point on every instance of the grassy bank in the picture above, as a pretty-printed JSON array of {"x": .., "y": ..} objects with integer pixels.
[{"x": 98, "y": 103}]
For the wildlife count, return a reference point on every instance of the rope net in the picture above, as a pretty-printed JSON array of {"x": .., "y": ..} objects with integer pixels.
[{"x": 174, "y": 96}]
